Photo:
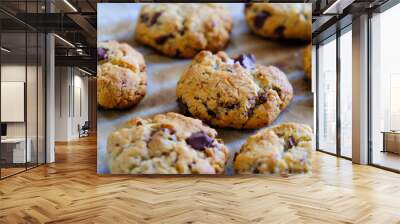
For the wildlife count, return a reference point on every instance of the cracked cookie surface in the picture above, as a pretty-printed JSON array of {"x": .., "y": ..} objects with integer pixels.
[
  {"x": 285, "y": 148},
  {"x": 307, "y": 61},
  {"x": 182, "y": 30},
  {"x": 166, "y": 144},
  {"x": 280, "y": 20},
  {"x": 121, "y": 77},
  {"x": 235, "y": 93}
]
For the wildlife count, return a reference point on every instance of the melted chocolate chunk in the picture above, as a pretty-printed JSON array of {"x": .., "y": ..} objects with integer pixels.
[
  {"x": 162, "y": 39},
  {"x": 261, "y": 99},
  {"x": 183, "y": 107},
  {"x": 246, "y": 60},
  {"x": 247, "y": 5},
  {"x": 199, "y": 141},
  {"x": 260, "y": 18},
  {"x": 291, "y": 142},
  {"x": 101, "y": 54},
  {"x": 124, "y": 83},
  {"x": 277, "y": 90},
  {"x": 155, "y": 17},
  {"x": 144, "y": 18},
  {"x": 231, "y": 106},
  {"x": 279, "y": 31},
  {"x": 211, "y": 113}
]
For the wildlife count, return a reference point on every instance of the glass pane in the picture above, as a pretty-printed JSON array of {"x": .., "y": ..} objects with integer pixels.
[
  {"x": 32, "y": 98},
  {"x": 327, "y": 97},
  {"x": 385, "y": 82},
  {"x": 13, "y": 87},
  {"x": 346, "y": 93}
]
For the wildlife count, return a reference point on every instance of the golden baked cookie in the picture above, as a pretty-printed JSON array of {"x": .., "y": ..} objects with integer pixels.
[
  {"x": 285, "y": 148},
  {"x": 236, "y": 93},
  {"x": 182, "y": 30},
  {"x": 166, "y": 144},
  {"x": 121, "y": 77},
  {"x": 280, "y": 20}
]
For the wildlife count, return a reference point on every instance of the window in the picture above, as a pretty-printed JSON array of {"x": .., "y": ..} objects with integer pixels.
[
  {"x": 385, "y": 90},
  {"x": 346, "y": 93},
  {"x": 327, "y": 96}
]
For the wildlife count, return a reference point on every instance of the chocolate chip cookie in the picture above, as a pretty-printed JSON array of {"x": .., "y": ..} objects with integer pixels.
[
  {"x": 182, "y": 30},
  {"x": 280, "y": 20},
  {"x": 307, "y": 61},
  {"x": 166, "y": 144},
  {"x": 285, "y": 148},
  {"x": 235, "y": 93},
  {"x": 121, "y": 77}
]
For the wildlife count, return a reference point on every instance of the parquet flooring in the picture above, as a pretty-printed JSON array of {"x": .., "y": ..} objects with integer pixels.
[{"x": 70, "y": 191}]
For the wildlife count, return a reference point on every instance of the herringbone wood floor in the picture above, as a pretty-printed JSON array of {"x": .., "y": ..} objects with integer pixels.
[{"x": 70, "y": 191}]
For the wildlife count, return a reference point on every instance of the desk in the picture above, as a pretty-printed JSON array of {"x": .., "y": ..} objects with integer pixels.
[
  {"x": 15, "y": 148},
  {"x": 391, "y": 141}
]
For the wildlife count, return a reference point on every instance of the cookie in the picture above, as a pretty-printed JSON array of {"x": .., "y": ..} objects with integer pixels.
[
  {"x": 166, "y": 144},
  {"x": 182, "y": 30},
  {"x": 280, "y": 20},
  {"x": 121, "y": 76},
  {"x": 285, "y": 148},
  {"x": 235, "y": 93},
  {"x": 307, "y": 61}
]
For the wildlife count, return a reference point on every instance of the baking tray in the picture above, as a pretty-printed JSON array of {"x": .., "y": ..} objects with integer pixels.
[{"x": 116, "y": 21}]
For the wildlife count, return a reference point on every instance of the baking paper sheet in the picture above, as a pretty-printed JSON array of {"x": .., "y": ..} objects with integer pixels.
[{"x": 116, "y": 21}]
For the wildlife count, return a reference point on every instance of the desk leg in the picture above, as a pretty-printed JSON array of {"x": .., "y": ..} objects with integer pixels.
[{"x": 384, "y": 143}]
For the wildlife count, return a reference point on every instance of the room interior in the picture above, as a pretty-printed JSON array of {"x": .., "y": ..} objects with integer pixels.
[
  {"x": 28, "y": 100},
  {"x": 355, "y": 178},
  {"x": 22, "y": 101}
]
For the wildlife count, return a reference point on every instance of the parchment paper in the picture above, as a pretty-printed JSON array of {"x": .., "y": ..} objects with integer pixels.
[{"x": 117, "y": 22}]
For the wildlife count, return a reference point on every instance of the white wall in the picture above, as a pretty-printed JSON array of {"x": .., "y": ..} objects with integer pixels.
[
  {"x": 34, "y": 125},
  {"x": 12, "y": 73},
  {"x": 70, "y": 83}
]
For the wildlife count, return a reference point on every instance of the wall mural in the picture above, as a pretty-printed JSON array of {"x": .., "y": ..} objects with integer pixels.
[{"x": 204, "y": 88}]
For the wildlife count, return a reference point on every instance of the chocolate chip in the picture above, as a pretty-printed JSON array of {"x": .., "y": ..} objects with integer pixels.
[
  {"x": 246, "y": 60},
  {"x": 231, "y": 106},
  {"x": 199, "y": 141},
  {"x": 291, "y": 142},
  {"x": 261, "y": 99},
  {"x": 155, "y": 18},
  {"x": 182, "y": 106},
  {"x": 101, "y": 54},
  {"x": 123, "y": 83},
  {"x": 260, "y": 18},
  {"x": 182, "y": 32},
  {"x": 277, "y": 90},
  {"x": 211, "y": 113},
  {"x": 279, "y": 31},
  {"x": 144, "y": 18},
  {"x": 162, "y": 39}
]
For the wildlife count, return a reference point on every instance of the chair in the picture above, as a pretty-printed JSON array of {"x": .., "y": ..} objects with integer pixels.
[{"x": 84, "y": 130}]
